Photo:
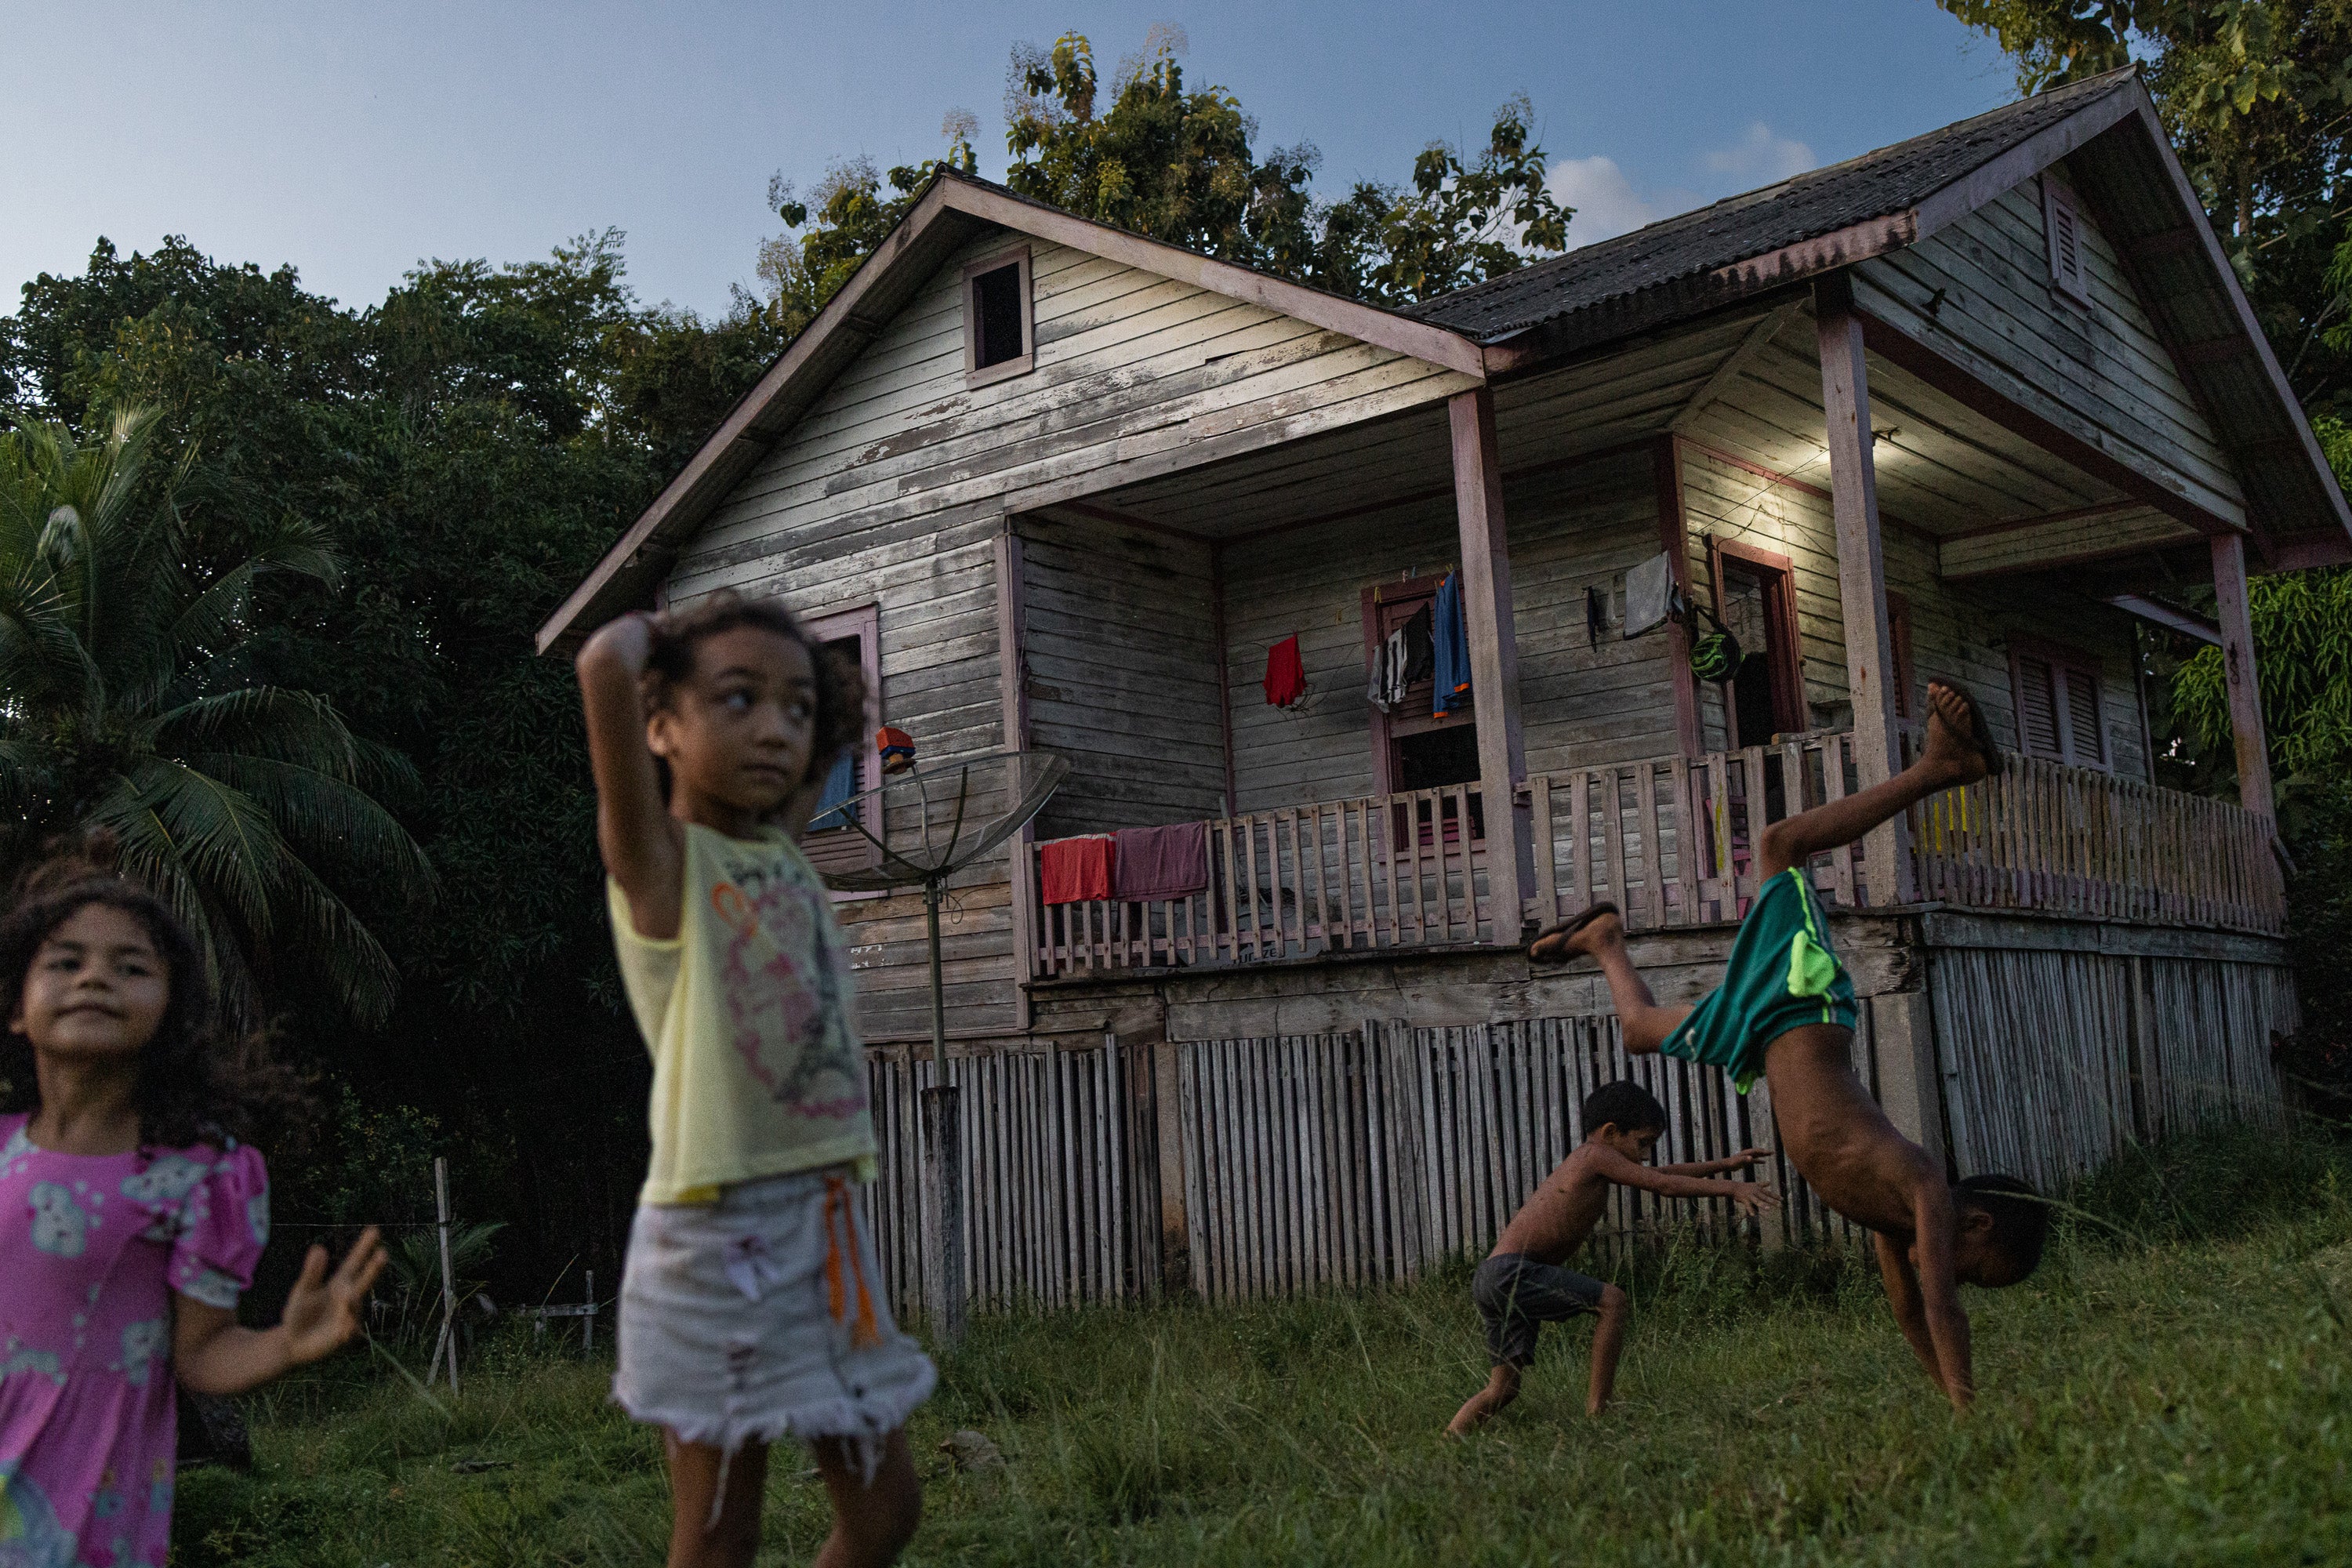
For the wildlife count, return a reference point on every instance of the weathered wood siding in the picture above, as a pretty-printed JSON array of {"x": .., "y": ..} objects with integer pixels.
[
  {"x": 1119, "y": 637},
  {"x": 1569, "y": 530},
  {"x": 1957, "y": 632},
  {"x": 892, "y": 489},
  {"x": 1983, "y": 284}
]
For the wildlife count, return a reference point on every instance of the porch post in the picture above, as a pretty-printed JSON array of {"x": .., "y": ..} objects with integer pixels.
[
  {"x": 1493, "y": 659},
  {"x": 1674, "y": 538},
  {"x": 1013, "y": 690},
  {"x": 1861, "y": 577},
  {"x": 2238, "y": 663}
]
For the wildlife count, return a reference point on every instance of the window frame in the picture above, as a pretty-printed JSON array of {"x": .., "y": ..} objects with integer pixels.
[
  {"x": 2062, "y": 659},
  {"x": 844, "y": 848},
  {"x": 1787, "y": 661},
  {"x": 1389, "y": 729},
  {"x": 2061, "y": 211},
  {"x": 974, "y": 373}
]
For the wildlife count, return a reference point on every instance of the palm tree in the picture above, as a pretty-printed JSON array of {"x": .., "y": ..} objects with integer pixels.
[{"x": 127, "y": 704}]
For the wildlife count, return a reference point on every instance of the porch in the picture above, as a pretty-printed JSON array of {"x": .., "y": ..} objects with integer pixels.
[
  {"x": 1590, "y": 760},
  {"x": 1668, "y": 839}
]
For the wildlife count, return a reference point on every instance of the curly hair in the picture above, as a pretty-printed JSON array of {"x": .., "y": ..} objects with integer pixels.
[
  {"x": 193, "y": 1085},
  {"x": 840, "y": 682}
]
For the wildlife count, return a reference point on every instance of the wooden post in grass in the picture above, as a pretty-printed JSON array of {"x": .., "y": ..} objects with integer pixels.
[{"x": 448, "y": 1278}]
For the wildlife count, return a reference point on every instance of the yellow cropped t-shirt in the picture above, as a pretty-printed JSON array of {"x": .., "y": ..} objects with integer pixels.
[{"x": 757, "y": 1067}]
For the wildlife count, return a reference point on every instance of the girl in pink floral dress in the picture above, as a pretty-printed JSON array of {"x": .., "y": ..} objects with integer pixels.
[{"x": 130, "y": 1222}]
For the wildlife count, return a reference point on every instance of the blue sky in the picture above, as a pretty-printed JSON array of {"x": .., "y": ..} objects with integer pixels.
[{"x": 353, "y": 140}]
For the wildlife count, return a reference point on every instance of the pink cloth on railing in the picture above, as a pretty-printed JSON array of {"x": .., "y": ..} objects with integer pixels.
[
  {"x": 1157, "y": 863},
  {"x": 1076, "y": 871}
]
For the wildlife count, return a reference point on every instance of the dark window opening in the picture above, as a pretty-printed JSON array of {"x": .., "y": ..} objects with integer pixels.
[
  {"x": 1436, "y": 758},
  {"x": 996, "y": 315},
  {"x": 1756, "y": 596},
  {"x": 838, "y": 806},
  {"x": 1751, "y": 700}
]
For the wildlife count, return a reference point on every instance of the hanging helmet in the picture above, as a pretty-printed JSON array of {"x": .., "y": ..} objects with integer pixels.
[{"x": 1715, "y": 657}]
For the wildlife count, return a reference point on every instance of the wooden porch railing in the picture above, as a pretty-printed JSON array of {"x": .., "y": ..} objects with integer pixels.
[
  {"x": 2059, "y": 840},
  {"x": 2076, "y": 842},
  {"x": 1670, "y": 840},
  {"x": 1395, "y": 870}
]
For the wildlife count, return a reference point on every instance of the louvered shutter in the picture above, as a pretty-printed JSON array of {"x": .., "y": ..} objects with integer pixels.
[
  {"x": 2064, "y": 227},
  {"x": 2085, "y": 736},
  {"x": 2037, "y": 707}
]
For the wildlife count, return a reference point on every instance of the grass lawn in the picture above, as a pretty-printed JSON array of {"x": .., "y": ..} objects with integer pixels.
[{"x": 2179, "y": 1393}]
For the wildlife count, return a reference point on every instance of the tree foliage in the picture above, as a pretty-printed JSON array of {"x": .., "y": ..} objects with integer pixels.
[
  {"x": 470, "y": 444},
  {"x": 127, "y": 702},
  {"x": 1146, "y": 152}
]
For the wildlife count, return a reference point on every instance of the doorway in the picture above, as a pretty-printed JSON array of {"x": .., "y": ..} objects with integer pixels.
[{"x": 1756, "y": 599}]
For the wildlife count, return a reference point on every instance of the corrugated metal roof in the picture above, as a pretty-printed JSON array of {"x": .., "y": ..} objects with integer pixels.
[{"x": 1738, "y": 228}]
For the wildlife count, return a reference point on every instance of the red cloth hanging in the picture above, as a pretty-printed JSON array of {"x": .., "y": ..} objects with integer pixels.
[
  {"x": 1075, "y": 871},
  {"x": 1286, "y": 676}
]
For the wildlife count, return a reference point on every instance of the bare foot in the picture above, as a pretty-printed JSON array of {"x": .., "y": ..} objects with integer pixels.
[
  {"x": 1587, "y": 934},
  {"x": 1956, "y": 748}
]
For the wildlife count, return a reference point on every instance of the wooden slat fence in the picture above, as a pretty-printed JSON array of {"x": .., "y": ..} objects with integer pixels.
[
  {"x": 1413, "y": 1145},
  {"x": 1306, "y": 1161},
  {"x": 1396, "y": 870},
  {"x": 2053, "y": 1061},
  {"x": 1061, "y": 1180}
]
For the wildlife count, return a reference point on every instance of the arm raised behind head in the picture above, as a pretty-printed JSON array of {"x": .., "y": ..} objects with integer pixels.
[
  {"x": 1753, "y": 1196},
  {"x": 643, "y": 846}
]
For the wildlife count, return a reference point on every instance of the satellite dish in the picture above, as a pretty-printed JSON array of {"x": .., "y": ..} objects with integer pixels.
[{"x": 928, "y": 823}]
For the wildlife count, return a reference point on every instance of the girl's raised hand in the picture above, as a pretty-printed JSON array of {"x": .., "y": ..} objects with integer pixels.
[{"x": 323, "y": 1311}]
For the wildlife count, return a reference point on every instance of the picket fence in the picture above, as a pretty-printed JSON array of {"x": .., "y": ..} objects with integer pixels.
[{"x": 1302, "y": 1161}]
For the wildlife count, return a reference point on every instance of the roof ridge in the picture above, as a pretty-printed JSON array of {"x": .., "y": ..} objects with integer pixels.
[{"x": 2067, "y": 95}]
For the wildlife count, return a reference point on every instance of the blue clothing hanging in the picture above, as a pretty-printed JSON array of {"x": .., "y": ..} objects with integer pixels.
[
  {"x": 1453, "y": 681},
  {"x": 833, "y": 807}
]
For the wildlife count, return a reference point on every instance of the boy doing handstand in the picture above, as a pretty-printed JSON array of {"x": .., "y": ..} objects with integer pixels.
[
  {"x": 1785, "y": 1011},
  {"x": 1521, "y": 1286}
]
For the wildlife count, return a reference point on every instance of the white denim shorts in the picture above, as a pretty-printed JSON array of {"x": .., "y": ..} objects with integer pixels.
[{"x": 760, "y": 1316}]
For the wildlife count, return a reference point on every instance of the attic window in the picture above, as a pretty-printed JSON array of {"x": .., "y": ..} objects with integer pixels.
[
  {"x": 2069, "y": 272},
  {"x": 999, "y": 331}
]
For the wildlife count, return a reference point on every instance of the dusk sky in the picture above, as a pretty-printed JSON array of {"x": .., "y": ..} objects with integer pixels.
[{"x": 353, "y": 141}]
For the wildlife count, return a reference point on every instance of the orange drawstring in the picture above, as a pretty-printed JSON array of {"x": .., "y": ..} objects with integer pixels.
[{"x": 866, "y": 1332}]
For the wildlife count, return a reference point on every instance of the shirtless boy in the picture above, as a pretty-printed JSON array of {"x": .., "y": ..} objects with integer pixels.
[
  {"x": 1521, "y": 1286},
  {"x": 1786, "y": 1011}
]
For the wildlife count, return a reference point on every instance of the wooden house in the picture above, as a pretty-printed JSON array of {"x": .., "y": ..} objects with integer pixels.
[{"x": 1952, "y": 408}]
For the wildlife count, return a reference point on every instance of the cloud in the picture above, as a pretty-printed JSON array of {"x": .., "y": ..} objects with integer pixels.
[
  {"x": 1606, "y": 201},
  {"x": 1761, "y": 157},
  {"x": 1608, "y": 205}
]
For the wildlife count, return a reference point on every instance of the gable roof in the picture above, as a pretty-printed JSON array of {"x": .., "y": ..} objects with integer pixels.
[
  {"x": 2106, "y": 126},
  {"x": 1887, "y": 183},
  {"x": 952, "y": 209}
]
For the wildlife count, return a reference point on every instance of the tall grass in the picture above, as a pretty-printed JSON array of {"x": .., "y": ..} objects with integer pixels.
[{"x": 2172, "y": 1387}]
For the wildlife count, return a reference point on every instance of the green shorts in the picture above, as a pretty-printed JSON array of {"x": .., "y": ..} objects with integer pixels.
[{"x": 1782, "y": 976}]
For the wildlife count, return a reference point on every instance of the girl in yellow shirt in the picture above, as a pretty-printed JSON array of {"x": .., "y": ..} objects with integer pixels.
[{"x": 749, "y": 1303}]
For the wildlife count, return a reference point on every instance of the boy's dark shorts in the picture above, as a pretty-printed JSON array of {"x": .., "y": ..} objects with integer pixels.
[{"x": 1517, "y": 1296}]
